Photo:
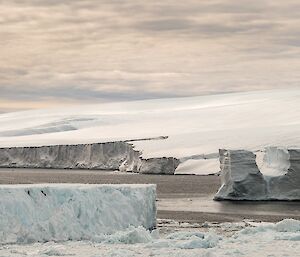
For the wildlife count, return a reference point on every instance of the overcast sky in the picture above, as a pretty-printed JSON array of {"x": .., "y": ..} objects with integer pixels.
[{"x": 55, "y": 52}]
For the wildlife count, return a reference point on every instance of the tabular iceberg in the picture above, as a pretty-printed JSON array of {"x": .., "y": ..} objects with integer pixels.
[
  {"x": 61, "y": 212},
  {"x": 246, "y": 177}
]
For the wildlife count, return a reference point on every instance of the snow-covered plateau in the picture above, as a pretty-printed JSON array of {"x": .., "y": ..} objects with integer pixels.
[
  {"x": 208, "y": 240},
  {"x": 62, "y": 212},
  {"x": 190, "y": 129},
  {"x": 273, "y": 174}
]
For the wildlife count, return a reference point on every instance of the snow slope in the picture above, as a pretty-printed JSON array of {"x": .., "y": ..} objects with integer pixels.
[
  {"x": 61, "y": 212},
  {"x": 195, "y": 126}
]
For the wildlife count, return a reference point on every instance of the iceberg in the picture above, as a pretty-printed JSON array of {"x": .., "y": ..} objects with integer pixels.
[
  {"x": 62, "y": 212},
  {"x": 274, "y": 175}
]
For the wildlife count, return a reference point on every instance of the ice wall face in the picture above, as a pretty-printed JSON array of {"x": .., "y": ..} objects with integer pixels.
[
  {"x": 164, "y": 165},
  {"x": 106, "y": 156},
  {"x": 61, "y": 212},
  {"x": 288, "y": 186},
  {"x": 243, "y": 180},
  {"x": 100, "y": 156}
]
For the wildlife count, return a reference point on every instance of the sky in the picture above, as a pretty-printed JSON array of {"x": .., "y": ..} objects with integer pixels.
[{"x": 62, "y": 52}]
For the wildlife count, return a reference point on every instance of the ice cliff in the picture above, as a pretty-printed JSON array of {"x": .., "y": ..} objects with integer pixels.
[
  {"x": 62, "y": 212},
  {"x": 100, "y": 156},
  {"x": 273, "y": 174}
]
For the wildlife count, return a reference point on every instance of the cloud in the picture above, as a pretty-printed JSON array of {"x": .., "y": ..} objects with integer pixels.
[{"x": 112, "y": 50}]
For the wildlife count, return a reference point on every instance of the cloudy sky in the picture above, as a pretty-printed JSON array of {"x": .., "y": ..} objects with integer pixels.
[{"x": 58, "y": 52}]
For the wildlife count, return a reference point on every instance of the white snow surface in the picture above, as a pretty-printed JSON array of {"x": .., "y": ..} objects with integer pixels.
[
  {"x": 194, "y": 125},
  {"x": 228, "y": 239},
  {"x": 199, "y": 167},
  {"x": 61, "y": 212}
]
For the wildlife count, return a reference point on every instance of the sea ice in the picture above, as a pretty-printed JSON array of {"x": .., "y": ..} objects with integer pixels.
[{"x": 265, "y": 239}]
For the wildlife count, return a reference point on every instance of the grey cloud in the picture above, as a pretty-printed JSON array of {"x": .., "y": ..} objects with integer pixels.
[
  {"x": 13, "y": 71},
  {"x": 70, "y": 25},
  {"x": 188, "y": 27},
  {"x": 166, "y": 24},
  {"x": 292, "y": 41},
  {"x": 71, "y": 48},
  {"x": 192, "y": 7}
]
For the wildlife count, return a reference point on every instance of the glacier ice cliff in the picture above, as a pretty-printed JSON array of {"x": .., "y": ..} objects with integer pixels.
[
  {"x": 245, "y": 176},
  {"x": 98, "y": 156}
]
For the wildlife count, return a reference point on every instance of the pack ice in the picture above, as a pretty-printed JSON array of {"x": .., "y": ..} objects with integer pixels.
[
  {"x": 61, "y": 212},
  {"x": 273, "y": 174}
]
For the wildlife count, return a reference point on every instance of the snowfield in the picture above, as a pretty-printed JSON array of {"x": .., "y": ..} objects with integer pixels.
[
  {"x": 228, "y": 239},
  {"x": 62, "y": 212},
  {"x": 191, "y": 129}
]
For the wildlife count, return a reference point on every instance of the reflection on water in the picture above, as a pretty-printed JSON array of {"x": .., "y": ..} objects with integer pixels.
[
  {"x": 260, "y": 207},
  {"x": 206, "y": 204}
]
